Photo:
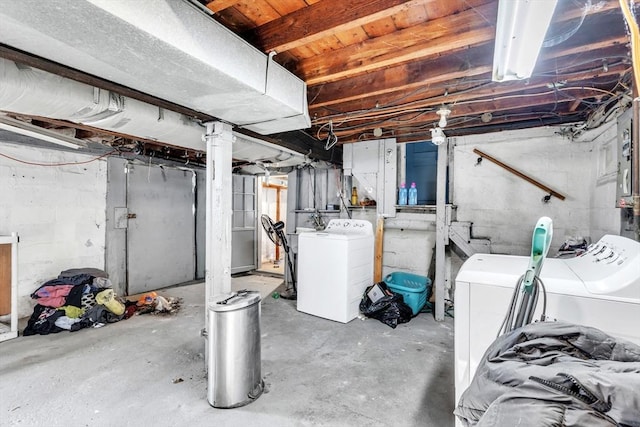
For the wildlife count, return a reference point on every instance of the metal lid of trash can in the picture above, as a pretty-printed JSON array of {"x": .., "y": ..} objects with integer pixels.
[{"x": 234, "y": 300}]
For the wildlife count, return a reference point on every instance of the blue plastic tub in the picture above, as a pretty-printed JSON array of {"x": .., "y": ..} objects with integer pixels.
[{"x": 412, "y": 287}]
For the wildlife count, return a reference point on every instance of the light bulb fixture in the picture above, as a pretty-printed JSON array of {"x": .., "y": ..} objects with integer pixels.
[
  {"x": 437, "y": 136},
  {"x": 443, "y": 112},
  {"x": 520, "y": 31}
]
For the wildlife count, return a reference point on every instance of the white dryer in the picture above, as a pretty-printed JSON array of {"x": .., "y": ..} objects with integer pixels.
[
  {"x": 334, "y": 268},
  {"x": 600, "y": 288}
]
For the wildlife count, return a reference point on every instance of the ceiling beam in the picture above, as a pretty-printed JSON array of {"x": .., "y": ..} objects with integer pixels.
[
  {"x": 300, "y": 142},
  {"x": 409, "y": 76},
  {"x": 487, "y": 93},
  {"x": 216, "y": 6},
  {"x": 385, "y": 87},
  {"x": 425, "y": 41},
  {"x": 496, "y": 125},
  {"x": 429, "y": 39},
  {"x": 476, "y": 104},
  {"x": 323, "y": 19}
]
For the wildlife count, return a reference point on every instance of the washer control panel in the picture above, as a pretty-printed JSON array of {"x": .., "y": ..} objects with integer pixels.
[
  {"x": 349, "y": 226},
  {"x": 610, "y": 266}
]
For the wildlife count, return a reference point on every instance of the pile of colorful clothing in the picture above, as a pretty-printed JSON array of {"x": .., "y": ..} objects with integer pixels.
[{"x": 77, "y": 299}]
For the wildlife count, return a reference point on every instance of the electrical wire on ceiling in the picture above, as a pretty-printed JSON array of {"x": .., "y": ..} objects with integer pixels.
[
  {"x": 620, "y": 60},
  {"x": 395, "y": 111},
  {"x": 394, "y": 106},
  {"x": 422, "y": 131},
  {"x": 554, "y": 91}
]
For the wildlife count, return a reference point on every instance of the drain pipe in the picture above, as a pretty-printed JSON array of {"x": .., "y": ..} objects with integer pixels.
[{"x": 635, "y": 167}]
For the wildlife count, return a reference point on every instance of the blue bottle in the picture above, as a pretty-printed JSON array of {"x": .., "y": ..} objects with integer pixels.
[
  {"x": 402, "y": 195},
  {"x": 413, "y": 194}
]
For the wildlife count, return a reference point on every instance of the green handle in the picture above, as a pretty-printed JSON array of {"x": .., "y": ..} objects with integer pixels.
[{"x": 540, "y": 243}]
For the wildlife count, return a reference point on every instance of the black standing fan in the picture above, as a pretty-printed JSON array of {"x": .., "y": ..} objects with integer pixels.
[{"x": 275, "y": 231}]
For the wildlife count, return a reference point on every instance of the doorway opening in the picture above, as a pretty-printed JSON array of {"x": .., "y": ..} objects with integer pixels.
[{"x": 273, "y": 202}]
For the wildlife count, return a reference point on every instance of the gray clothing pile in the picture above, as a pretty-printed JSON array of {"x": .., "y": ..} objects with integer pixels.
[{"x": 555, "y": 374}]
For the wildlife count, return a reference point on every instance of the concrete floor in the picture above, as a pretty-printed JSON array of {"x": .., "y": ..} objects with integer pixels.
[
  {"x": 272, "y": 267},
  {"x": 318, "y": 372}
]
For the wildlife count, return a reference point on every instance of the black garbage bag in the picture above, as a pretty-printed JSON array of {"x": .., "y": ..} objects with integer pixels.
[{"x": 380, "y": 302}]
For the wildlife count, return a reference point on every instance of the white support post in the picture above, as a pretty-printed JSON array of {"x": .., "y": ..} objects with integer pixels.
[
  {"x": 441, "y": 230},
  {"x": 219, "y": 139}
]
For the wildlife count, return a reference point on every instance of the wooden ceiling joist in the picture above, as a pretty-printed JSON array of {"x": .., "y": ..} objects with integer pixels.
[
  {"x": 426, "y": 41},
  {"x": 423, "y": 41},
  {"x": 216, "y": 6},
  {"x": 469, "y": 63},
  {"x": 494, "y": 101},
  {"x": 324, "y": 19},
  {"x": 380, "y": 88}
]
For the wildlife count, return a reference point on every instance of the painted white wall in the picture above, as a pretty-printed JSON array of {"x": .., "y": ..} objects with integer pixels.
[
  {"x": 58, "y": 212},
  {"x": 505, "y": 208},
  {"x": 604, "y": 216}
]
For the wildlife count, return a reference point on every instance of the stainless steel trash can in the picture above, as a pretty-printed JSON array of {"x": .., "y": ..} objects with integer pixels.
[{"x": 233, "y": 337}]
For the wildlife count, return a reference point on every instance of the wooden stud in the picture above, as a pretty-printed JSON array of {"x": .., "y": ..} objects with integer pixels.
[
  {"x": 377, "y": 264},
  {"x": 323, "y": 19}
]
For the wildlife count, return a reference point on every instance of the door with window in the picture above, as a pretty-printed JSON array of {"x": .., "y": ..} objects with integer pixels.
[{"x": 243, "y": 233}]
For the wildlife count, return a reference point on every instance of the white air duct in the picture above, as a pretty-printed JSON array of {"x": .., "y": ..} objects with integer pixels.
[
  {"x": 165, "y": 48},
  {"x": 33, "y": 92}
]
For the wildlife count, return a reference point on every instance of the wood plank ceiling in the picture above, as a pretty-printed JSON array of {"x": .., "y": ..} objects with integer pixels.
[{"x": 387, "y": 66}]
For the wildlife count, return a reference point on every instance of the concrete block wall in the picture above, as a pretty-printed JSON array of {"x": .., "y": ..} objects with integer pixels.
[
  {"x": 408, "y": 242},
  {"x": 408, "y": 245},
  {"x": 504, "y": 207},
  {"x": 58, "y": 212}
]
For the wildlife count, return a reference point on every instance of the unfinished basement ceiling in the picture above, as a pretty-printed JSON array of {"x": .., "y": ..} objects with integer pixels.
[
  {"x": 382, "y": 68},
  {"x": 391, "y": 64},
  {"x": 167, "y": 51}
]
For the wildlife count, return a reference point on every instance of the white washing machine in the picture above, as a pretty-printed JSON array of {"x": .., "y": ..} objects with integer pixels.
[
  {"x": 600, "y": 288},
  {"x": 334, "y": 268}
]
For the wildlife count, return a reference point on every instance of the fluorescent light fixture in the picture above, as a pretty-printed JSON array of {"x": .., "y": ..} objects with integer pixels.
[
  {"x": 520, "y": 31},
  {"x": 27, "y": 129}
]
